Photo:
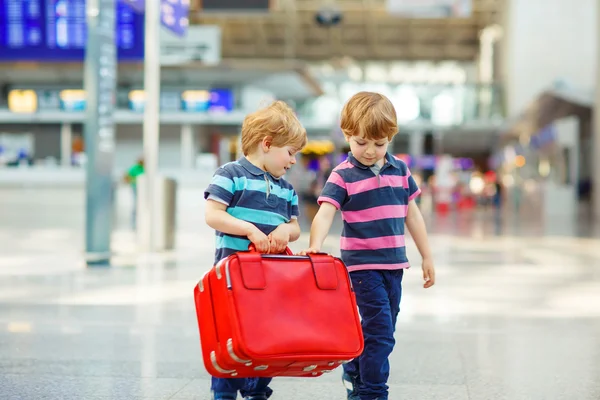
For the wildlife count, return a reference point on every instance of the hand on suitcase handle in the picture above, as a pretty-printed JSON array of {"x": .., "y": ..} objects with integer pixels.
[{"x": 287, "y": 252}]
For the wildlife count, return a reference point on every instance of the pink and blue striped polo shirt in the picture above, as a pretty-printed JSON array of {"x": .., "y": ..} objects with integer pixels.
[{"x": 374, "y": 205}]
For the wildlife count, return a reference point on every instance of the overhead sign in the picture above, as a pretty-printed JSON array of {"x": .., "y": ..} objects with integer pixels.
[
  {"x": 201, "y": 43},
  {"x": 234, "y": 5},
  {"x": 137, "y": 5},
  {"x": 54, "y": 31},
  {"x": 430, "y": 8},
  {"x": 174, "y": 15}
]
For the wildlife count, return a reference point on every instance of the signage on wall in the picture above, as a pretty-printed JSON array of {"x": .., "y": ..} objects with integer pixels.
[
  {"x": 431, "y": 8},
  {"x": 216, "y": 100},
  {"x": 201, "y": 43},
  {"x": 22, "y": 101},
  {"x": 213, "y": 100},
  {"x": 72, "y": 100}
]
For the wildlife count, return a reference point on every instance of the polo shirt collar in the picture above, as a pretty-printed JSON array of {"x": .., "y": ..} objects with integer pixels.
[
  {"x": 253, "y": 169},
  {"x": 388, "y": 158}
]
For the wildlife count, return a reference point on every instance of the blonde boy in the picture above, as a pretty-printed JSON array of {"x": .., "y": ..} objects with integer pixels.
[{"x": 248, "y": 202}]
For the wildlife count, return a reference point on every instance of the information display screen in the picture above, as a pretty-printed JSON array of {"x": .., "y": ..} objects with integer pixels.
[
  {"x": 234, "y": 5},
  {"x": 56, "y": 30}
]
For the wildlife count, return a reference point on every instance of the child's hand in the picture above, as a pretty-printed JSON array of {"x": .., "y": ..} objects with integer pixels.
[
  {"x": 310, "y": 250},
  {"x": 428, "y": 273},
  {"x": 279, "y": 239},
  {"x": 260, "y": 241}
]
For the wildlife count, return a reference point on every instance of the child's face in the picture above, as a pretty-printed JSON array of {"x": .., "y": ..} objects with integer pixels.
[
  {"x": 367, "y": 151},
  {"x": 279, "y": 159}
]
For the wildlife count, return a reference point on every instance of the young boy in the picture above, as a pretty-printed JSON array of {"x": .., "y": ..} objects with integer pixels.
[
  {"x": 375, "y": 193},
  {"x": 248, "y": 202}
]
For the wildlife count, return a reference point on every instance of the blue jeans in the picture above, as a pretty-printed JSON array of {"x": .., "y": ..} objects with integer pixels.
[
  {"x": 227, "y": 388},
  {"x": 378, "y": 294}
]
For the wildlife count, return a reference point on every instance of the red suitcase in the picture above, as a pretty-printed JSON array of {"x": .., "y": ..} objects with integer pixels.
[{"x": 277, "y": 315}]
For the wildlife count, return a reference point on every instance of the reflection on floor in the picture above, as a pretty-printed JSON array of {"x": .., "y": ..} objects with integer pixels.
[{"x": 515, "y": 314}]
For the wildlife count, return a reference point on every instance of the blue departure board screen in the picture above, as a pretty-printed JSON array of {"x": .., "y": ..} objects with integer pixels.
[{"x": 55, "y": 30}]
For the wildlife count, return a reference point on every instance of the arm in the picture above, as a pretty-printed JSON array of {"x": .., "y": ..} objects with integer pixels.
[
  {"x": 320, "y": 227},
  {"x": 216, "y": 217},
  {"x": 288, "y": 232},
  {"x": 283, "y": 235},
  {"x": 294, "y": 228},
  {"x": 416, "y": 227}
]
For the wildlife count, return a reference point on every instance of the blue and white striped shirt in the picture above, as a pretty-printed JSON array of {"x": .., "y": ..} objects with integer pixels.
[{"x": 252, "y": 195}]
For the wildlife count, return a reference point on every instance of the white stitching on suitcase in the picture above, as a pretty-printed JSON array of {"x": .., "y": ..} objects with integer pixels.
[
  {"x": 213, "y": 359},
  {"x": 234, "y": 356}
]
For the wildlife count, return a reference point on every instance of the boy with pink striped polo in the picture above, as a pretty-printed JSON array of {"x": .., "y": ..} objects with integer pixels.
[{"x": 375, "y": 193}]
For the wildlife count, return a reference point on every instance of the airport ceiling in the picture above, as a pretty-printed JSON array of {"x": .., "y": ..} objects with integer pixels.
[{"x": 367, "y": 32}]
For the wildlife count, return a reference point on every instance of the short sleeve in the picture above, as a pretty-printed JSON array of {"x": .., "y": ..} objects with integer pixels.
[
  {"x": 334, "y": 191},
  {"x": 221, "y": 186},
  {"x": 413, "y": 188}
]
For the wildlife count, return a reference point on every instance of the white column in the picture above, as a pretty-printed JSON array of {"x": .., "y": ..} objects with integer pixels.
[
  {"x": 595, "y": 173},
  {"x": 146, "y": 224},
  {"x": 188, "y": 146},
  {"x": 66, "y": 140}
]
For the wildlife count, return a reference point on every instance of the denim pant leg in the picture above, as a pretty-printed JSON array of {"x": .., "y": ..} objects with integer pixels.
[
  {"x": 227, "y": 387},
  {"x": 257, "y": 387},
  {"x": 246, "y": 386},
  {"x": 378, "y": 317},
  {"x": 394, "y": 283}
]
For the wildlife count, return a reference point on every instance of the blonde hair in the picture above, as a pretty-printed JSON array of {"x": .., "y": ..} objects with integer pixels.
[
  {"x": 277, "y": 121},
  {"x": 370, "y": 114}
]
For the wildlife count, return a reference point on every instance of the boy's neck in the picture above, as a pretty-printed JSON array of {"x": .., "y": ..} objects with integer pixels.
[{"x": 256, "y": 159}]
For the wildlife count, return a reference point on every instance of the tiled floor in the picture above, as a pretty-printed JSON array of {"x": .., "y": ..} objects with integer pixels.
[{"x": 515, "y": 314}]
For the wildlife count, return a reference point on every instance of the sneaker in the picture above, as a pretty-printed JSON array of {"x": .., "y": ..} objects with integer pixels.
[
  {"x": 351, "y": 387},
  {"x": 255, "y": 398}
]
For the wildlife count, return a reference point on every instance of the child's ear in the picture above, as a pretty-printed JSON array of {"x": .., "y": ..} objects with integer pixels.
[
  {"x": 347, "y": 138},
  {"x": 267, "y": 142}
]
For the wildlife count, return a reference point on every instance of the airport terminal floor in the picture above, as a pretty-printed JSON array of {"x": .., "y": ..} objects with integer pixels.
[{"x": 515, "y": 313}]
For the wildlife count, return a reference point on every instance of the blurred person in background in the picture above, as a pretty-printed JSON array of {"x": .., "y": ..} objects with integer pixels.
[{"x": 131, "y": 178}]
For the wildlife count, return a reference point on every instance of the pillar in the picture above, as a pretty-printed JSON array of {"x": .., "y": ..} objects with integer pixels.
[
  {"x": 595, "y": 175},
  {"x": 66, "y": 140},
  {"x": 188, "y": 146}
]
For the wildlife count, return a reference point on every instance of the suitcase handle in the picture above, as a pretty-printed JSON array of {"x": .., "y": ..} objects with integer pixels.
[
  {"x": 253, "y": 276},
  {"x": 287, "y": 252}
]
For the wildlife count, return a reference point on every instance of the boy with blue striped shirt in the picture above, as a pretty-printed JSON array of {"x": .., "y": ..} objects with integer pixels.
[{"x": 249, "y": 202}]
